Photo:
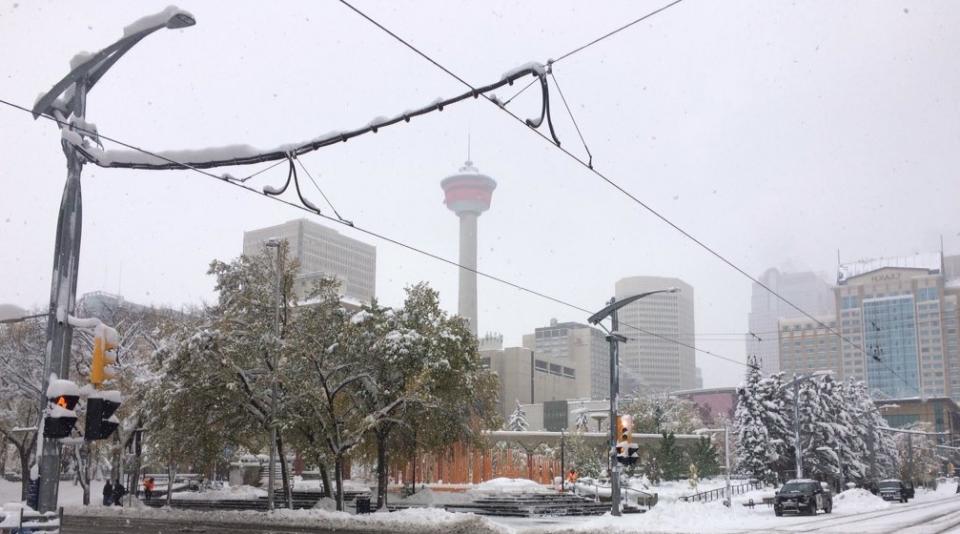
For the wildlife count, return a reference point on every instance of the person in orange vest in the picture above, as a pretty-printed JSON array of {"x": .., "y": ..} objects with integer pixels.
[{"x": 572, "y": 476}]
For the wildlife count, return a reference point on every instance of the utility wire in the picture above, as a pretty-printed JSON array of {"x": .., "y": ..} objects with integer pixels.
[
  {"x": 618, "y": 30},
  {"x": 575, "y": 125},
  {"x": 613, "y": 183},
  {"x": 520, "y": 92},
  {"x": 314, "y": 182},
  {"x": 376, "y": 235},
  {"x": 22, "y": 319}
]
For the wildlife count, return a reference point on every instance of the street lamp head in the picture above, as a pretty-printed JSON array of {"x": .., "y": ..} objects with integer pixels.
[
  {"x": 673, "y": 290},
  {"x": 181, "y": 19}
]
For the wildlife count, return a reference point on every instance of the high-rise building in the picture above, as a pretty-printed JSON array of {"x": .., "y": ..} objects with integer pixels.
[
  {"x": 899, "y": 322},
  {"x": 322, "y": 251},
  {"x": 900, "y": 317},
  {"x": 806, "y": 346},
  {"x": 468, "y": 194},
  {"x": 649, "y": 363},
  {"x": 805, "y": 289},
  {"x": 580, "y": 347}
]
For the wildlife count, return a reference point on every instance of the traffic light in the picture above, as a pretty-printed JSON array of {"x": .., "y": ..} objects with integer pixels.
[
  {"x": 627, "y": 452},
  {"x": 59, "y": 418},
  {"x": 101, "y": 422},
  {"x": 104, "y": 345}
]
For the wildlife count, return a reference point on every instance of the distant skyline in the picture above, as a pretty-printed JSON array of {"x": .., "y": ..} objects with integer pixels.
[{"x": 773, "y": 131}]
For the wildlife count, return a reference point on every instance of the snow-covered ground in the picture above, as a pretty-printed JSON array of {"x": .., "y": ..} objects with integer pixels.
[{"x": 855, "y": 511}]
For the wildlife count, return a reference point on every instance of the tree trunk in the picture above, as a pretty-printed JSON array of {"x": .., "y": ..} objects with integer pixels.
[
  {"x": 82, "y": 455},
  {"x": 325, "y": 479},
  {"x": 284, "y": 472},
  {"x": 171, "y": 474},
  {"x": 24, "y": 472},
  {"x": 382, "y": 469},
  {"x": 338, "y": 475}
]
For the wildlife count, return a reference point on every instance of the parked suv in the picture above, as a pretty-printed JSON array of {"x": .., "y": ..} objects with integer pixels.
[
  {"x": 802, "y": 496},
  {"x": 895, "y": 490}
]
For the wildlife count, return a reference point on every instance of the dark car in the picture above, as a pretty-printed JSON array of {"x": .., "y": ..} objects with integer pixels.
[
  {"x": 802, "y": 496},
  {"x": 896, "y": 490}
]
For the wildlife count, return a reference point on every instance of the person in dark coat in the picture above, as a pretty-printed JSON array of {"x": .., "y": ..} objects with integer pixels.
[
  {"x": 107, "y": 494},
  {"x": 118, "y": 492}
]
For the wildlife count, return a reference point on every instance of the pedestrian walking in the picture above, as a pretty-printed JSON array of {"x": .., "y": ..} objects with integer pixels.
[
  {"x": 118, "y": 492},
  {"x": 107, "y": 494},
  {"x": 148, "y": 486}
]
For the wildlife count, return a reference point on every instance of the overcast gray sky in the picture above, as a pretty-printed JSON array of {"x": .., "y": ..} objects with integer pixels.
[{"x": 776, "y": 132}]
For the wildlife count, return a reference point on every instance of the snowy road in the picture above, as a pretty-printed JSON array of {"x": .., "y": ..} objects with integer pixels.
[{"x": 939, "y": 516}]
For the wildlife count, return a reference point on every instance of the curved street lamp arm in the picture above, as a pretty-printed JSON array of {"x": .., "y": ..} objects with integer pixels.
[{"x": 617, "y": 304}]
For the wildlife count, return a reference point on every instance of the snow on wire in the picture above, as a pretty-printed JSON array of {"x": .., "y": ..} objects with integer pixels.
[{"x": 240, "y": 154}]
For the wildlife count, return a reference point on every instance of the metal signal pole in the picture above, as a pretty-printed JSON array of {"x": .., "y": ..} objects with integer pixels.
[{"x": 69, "y": 109}]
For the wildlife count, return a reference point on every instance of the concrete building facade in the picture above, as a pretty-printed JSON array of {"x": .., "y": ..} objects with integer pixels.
[
  {"x": 649, "y": 363},
  {"x": 579, "y": 346},
  {"x": 806, "y": 346},
  {"x": 805, "y": 289},
  {"x": 322, "y": 251},
  {"x": 526, "y": 378}
]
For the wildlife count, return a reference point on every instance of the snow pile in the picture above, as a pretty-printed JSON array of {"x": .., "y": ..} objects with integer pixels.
[
  {"x": 429, "y": 497},
  {"x": 508, "y": 484},
  {"x": 856, "y": 500},
  {"x": 411, "y": 521},
  {"x": 683, "y": 517},
  {"x": 326, "y": 504},
  {"x": 231, "y": 493}
]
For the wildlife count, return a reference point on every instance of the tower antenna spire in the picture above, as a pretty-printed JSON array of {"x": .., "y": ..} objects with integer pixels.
[{"x": 468, "y": 147}]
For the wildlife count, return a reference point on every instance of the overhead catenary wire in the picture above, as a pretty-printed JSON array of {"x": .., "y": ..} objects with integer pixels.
[
  {"x": 613, "y": 183},
  {"x": 316, "y": 185},
  {"x": 377, "y": 235},
  {"x": 572, "y": 119},
  {"x": 616, "y": 31}
]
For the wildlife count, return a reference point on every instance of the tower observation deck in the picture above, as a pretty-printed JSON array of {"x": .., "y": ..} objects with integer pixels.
[{"x": 468, "y": 194}]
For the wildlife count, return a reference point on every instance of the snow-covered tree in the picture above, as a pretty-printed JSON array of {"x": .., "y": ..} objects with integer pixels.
[
  {"x": 659, "y": 412},
  {"x": 756, "y": 453},
  {"x": 22, "y": 347},
  {"x": 704, "y": 456},
  {"x": 918, "y": 457},
  {"x": 518, "y": 419}
]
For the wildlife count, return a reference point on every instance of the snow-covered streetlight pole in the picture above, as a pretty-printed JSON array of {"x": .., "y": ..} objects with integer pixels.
[
  {"x": 275, "y": 244},
  {"x": 614, "y": 338},
  {"x": 66, "y": 103}
]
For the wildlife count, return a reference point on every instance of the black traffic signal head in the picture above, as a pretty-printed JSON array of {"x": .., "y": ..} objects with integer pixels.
[
  {"x": 101, "y": 422},
  {"x": 60, "y": 418}
]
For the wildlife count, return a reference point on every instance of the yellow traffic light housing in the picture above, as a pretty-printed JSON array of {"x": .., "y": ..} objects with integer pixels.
[{"x": 104, "y": 345}]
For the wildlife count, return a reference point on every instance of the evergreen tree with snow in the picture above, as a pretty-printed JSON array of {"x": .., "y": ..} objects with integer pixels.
[
  {"x": 755, "y": 454},
  {"x": 518, "y": 419}
]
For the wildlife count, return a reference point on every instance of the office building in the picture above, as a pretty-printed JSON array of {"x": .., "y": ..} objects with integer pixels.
[
  {"x": 649, "y": 363},
  {"x": 580, "y": 347},
  {"x": 805, "y": 289},
  {"x": 899, "y": 322},
  {"x": 528, "y": 379},
  {"x": 900, "y": 316},
  {"x": 806, "y": 346},
  {"x": 321, "y": 252}
]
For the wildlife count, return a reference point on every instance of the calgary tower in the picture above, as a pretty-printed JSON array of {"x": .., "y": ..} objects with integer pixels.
[{"x": 468, "y": 194}]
